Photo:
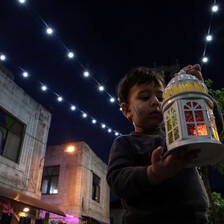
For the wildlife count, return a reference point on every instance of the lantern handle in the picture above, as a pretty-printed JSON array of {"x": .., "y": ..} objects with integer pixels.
[{"x": 182, "y": 72}]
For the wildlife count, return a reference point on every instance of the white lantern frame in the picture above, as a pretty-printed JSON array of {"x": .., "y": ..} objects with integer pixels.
[{"x": 190, "y": 123}]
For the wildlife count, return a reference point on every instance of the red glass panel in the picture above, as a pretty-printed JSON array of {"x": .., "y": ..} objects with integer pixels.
[
  {"x": 194, "y": 104},
  {"x": 189, "y": 104},
  {"x": 199, "y": 115},
  {"x": 191, "y": 129},
  {"x": 189, "y": 116},
  {"x": 202, "y": 130},
  {"x": 198, "y": 107}
]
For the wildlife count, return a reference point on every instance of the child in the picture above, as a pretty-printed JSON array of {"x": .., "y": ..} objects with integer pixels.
[{"x": 153, "y": 190}]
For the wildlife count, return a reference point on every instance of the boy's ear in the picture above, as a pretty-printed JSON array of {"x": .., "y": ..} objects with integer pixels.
[{"x": 126, "y": 110}]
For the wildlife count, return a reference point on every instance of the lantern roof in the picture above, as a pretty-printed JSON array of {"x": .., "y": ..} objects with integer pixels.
[{"x": 184, "y": 83}]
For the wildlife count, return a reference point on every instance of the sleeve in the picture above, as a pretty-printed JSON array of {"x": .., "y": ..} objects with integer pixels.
[
  {"x": 125, "y": 178},
  {"x": 218, "y": 118}
]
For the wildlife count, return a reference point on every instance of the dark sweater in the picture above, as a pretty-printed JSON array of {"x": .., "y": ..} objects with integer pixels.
[{"x": 180, "y": 199}]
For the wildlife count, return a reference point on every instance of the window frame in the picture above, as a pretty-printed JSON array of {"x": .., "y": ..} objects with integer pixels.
[
  {"x": 8, "y": 131},
  {"x": 49, "y": 187},
  {"x": 94, "y": 189}
]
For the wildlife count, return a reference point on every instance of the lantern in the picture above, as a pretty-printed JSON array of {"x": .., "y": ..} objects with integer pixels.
[{"x": 189, "y": 120}]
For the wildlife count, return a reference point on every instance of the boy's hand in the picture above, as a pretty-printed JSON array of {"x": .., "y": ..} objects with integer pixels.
[
  {"x": 162, "y": 169},
  {"x": 193, "y": 70}
]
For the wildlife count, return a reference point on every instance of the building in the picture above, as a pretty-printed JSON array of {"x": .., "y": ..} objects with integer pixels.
[
  {"x": 24, "y": 126},
  {"x": 75, "y": 181}
]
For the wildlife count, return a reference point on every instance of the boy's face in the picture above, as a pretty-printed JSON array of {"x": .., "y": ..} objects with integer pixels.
[{"x": 144, "y": 107}]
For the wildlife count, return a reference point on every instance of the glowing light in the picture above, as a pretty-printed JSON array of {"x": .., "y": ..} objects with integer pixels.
[
  {"x": 84, "y": 115},
  {"x": 215, "y": 8},
  {"x": 209, "y": 38},
  {"x": 93, "y": 121},
  {"x": 116, "y": 133},
  {"x": 44, "y": 88},
  {"x": 22, "y": 1},
  {"x": 70, "y": 148},
  {"x": 26, "y": 209},
  {"x": 25, "y": 74},
  {"x": 60, "y": 98},
  {"x": 205, "y": 59},
  {"x": 101, "y": 88},
  {"x": 70, "y": 55},
  {"x": 2, "y": 57},
  {"x": 103, "y": 126},
  {"x": 73, "y": 107},
  {"x": 86, "y": 74},
  {"x": 120, "y": 109},
  {"x": 49, "y": 31},
  {"x": 109, "y": 130},
  {"x": 112, "y": 100}
]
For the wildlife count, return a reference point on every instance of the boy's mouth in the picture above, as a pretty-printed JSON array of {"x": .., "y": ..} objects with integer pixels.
[{"x": 155, "y": 112}]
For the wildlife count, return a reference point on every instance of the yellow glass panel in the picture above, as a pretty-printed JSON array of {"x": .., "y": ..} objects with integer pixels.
[
  {"x": 198, "y": 87},
  {"x": 215, "y": 134},
  {"x": 188, "y": 87},
  {"x": 176, "y": 89},
  {"x": 167, "y": 94},
  {"x": 205, "y": 89}
]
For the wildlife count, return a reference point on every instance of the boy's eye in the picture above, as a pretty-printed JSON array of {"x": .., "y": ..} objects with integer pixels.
[
  {"x": 160, "y": 99},
  {"x": 144, "y": 98}
]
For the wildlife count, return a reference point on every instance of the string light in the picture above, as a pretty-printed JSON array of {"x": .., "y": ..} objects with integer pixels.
[
  {"x": 44, "y": 88},
  {"x": 94, "y": 121},
  {"x": 205, "y": 59},
  {"x": 208, "y": 37},
  {"x": 70, "y": 55},
  {"x": 84, "y": 115},
  {"x": 109, "y": 130},
  {"x": 101, "y": 88},
  {"x": 2, "y": 57},
  {"x": 73, "y": 107},
  {"x": 49, "y": 31},
  {"x": 60, "y": 98},
  {"x": 103, "y": 125},
  {"x": 215, "y": 8},
  {"x": 116, "y": 133},
  {"x": 22, "y": 1},
  {"x": 25, "y": 74},
  {"x": 112, "y": 100},
  {"x": 86, "y": 74}
]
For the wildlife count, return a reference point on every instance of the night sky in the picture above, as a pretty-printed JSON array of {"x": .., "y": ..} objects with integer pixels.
[{"x": 108, "y": 38}]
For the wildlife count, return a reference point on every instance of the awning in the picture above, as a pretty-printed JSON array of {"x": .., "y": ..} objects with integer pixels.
[{"x": 28, "y": 200}]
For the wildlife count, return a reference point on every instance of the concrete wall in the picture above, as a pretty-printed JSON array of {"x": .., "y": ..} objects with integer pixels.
[
  {"x": 24, "y": 175},
  {"x": 74, "y": 195}
]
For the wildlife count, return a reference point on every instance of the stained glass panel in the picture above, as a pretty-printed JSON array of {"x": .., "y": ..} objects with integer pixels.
[
  {"x": 191, "y": 129},
  {"x": 189, "y": 116},
  {"x": 202, "y": 130},
  {"x": 170, "y": 137},
  {"x": 176, "y": 133},
  {"x": 199, "y": 115},
  {"x": 169, "y": 127}
]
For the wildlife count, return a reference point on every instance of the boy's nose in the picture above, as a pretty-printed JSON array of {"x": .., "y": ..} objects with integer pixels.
[{"x": 154, "y": 101}]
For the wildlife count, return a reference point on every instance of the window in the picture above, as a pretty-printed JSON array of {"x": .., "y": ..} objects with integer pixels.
[
  {"x": 96, "y": 188},
  {"x": 172, "y": 125},
  {"x": 194, "y": 118},
  {"x": 11, "y": 136},
  {"x": 50, "y": 180}
]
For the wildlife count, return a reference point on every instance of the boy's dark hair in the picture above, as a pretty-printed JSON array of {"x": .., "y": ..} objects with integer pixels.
[{"x": 139, "y": 75}]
